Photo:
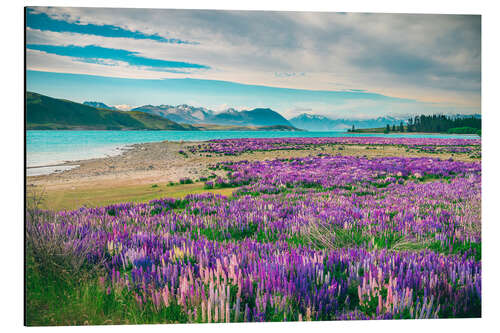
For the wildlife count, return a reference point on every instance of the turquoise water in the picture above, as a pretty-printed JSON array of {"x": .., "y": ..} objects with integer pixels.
[{"x": 45, "y": 148}]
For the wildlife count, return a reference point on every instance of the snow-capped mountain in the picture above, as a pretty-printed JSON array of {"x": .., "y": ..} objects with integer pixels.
[
  {"x": 181, "y": 113},
  {"x": 100, "y": 105},
  {"x": 255, "y": 117},
  {"x": 321, "y": 123},
  {"x": 194, "y": 115}
]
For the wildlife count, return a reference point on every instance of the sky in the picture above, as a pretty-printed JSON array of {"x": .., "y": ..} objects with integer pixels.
[{"x": 339, "y": 65}]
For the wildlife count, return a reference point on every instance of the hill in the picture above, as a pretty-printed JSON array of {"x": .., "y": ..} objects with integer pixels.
[{"x": 47, "y": 113}]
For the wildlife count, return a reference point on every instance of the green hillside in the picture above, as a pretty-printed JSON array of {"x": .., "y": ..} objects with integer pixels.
[{"x": 47, "y": 113}]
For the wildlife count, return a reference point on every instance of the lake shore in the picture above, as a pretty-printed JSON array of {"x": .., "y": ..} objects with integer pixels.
[
  {"x": 53, "y": 148},
  {"x": 144, "y": 171}
]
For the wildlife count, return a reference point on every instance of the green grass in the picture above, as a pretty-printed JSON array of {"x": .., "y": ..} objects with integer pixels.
[
  {"x": 94, "y": 197},
  {"x": 52, "y": 300}
]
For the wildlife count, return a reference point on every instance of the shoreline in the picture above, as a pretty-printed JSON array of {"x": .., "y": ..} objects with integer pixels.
[
  {"x": 67, "y": 163},
  {"x": 111, "y": 151},
  {"x": 119, "y": 149},
  {"x": 146, "y": 171},
  {"x": 135, "y": 154}
]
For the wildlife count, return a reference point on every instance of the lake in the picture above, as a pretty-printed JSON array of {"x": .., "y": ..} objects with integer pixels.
[{"x": 44, "y": 149}]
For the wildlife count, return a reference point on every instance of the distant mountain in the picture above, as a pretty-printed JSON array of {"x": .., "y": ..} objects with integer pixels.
[
  {"x": 255, "y": 117},
  {"x": 43, "y": 112},
  {"x": 322, "y": 123},
  {"x": 280, "y": 128},
  {"x": 100, "y": 105},
  {"x": 181, "y": 113},
  {"x": 196, "y": 115},
  {"x": 312, "y": 122},
  {"x": 276, "y": 128}
]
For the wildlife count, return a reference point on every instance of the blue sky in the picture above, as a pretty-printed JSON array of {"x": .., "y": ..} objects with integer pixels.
[
  {"x": 97, "y": 54},
  {"x": 349, "y": 65}
]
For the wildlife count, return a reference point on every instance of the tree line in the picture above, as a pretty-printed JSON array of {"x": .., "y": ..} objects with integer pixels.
[
  {"x": 431, "y": 124},
  {"x": 442, "y": 123}
]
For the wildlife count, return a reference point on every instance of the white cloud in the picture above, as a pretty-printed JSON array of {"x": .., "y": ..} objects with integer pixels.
[{"x": 425, "y": 57}]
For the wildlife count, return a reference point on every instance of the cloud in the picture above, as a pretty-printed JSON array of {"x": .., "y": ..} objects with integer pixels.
[
  {"x": 288, "y": 74},
  {"x": 40, "y": 20},
  {"x": 430, "y": 58},
  {"x": 46, "y": 62}
]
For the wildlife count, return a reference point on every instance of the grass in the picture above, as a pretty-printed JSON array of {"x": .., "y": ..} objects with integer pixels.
[
  {"x": 55, "y": 300},
  {"x": 94, "y": 197}
]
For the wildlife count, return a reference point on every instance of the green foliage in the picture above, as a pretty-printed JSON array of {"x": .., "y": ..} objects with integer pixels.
[
  {"x": 464, "y": 130},
  {"x": 442, "y": 123},
  {"x": 53, "y": 299},
  {"x": 186, "y": 181},
  {"x": 468, "y": 249}
]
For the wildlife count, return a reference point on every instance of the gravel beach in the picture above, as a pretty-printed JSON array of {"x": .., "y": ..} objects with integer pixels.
[{"x": 161, "y": 162}]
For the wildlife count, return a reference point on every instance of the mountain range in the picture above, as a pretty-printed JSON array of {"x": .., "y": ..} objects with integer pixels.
[
  {"x": 47, "y": 113},
  {"x": 195, "y": 115},
  {"x": 321, "y": 123},
  {"x": 261, "y": 117},
  {"x": 188, "y": 114},
  {"x": 181, "y": 113}
]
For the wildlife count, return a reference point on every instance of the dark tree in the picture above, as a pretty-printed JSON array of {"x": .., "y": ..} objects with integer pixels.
[
  {"x": 410, "y": 125},
  {"x": 442, "y": 123}
]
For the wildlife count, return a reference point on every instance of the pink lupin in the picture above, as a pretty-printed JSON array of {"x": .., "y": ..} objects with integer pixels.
[
  {"x": 209, "y": 312},
  {"x": 165, "y": 296},
  {"x": 203, "y": 313}
]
